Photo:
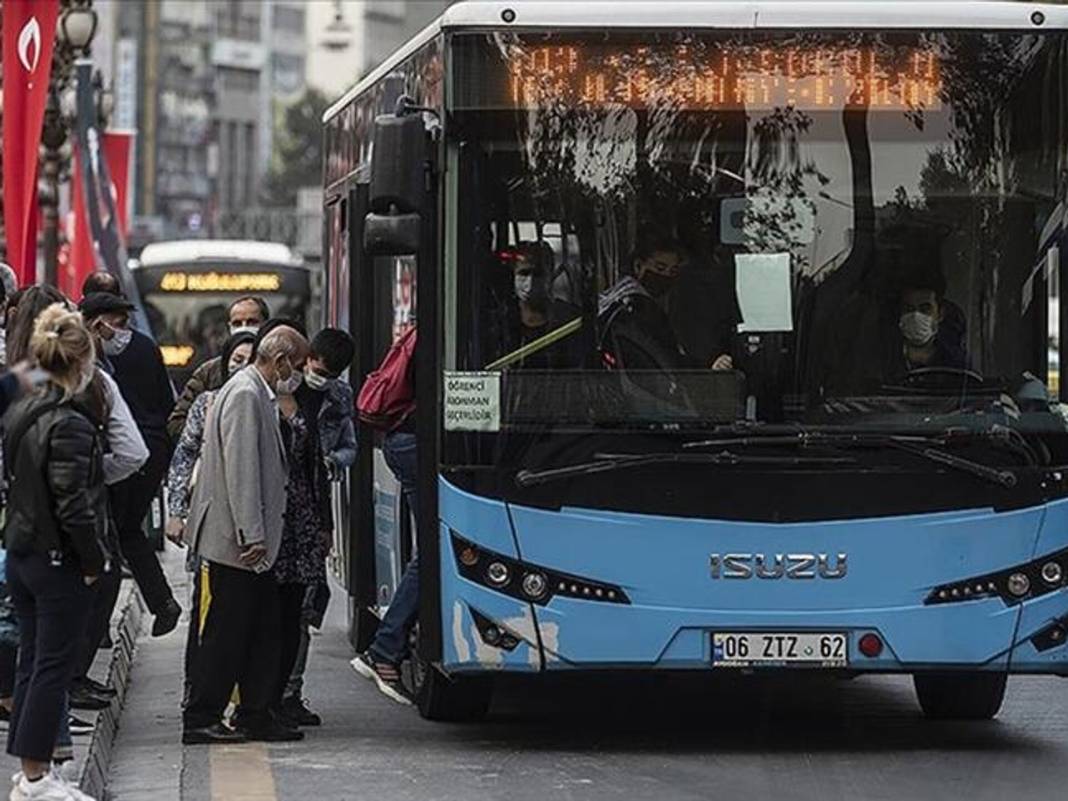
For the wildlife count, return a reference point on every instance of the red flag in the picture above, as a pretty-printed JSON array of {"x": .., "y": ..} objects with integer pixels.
[
  {"x": 29, "y": 33},
  {"x": 117, "y": 148}
]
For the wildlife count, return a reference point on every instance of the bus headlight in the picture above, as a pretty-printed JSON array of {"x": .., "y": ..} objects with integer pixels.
[
  {"x": 498, "y": 574},
  {"x": 531, "y": 582},
  {"x": 535, "y": 585},
  {"x": 1018, "y": 584},
  {"x": 1052, "y": 573},
  {"x": 1013, "y": 585}
]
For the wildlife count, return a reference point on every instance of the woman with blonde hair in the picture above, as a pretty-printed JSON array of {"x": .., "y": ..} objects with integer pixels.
[{"x": 55, "y": 533}]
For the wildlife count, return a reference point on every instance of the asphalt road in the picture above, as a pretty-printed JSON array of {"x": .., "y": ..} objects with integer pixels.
[{"x": 663, "y": 739}]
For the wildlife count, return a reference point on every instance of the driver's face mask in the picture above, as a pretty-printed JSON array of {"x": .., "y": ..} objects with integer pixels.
[{"x": 918, "y": 328}]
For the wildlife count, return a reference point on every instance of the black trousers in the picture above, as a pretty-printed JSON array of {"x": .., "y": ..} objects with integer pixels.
[
  {"x": 130, "y": 501},
  {"x": 240, "y": 645},
  {"x": 9, "y": 655},
  {"x": 291, "y": 611},
  {"x": 105, "y": 594},
  {"x": 52, "y": 604}
]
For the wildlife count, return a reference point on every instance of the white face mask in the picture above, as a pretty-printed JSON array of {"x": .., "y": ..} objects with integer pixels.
[
  {"x": 288, "y": 386},
  {"x": 315, "y": 381},
  {"x": 119, "y": 342},
  {"x": 237, "y": 329},
  {"x": 918, "y": 328}
]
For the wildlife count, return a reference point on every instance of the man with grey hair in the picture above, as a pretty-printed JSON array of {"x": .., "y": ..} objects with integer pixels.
[{"x": 235, "y": 527}]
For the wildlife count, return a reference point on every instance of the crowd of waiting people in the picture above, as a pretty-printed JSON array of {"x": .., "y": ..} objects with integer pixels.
[{"x": 247, "y": 452}]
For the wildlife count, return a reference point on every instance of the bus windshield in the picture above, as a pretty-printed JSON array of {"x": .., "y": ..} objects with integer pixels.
[
  {"x": 752, "y": 231},
  {"x": 187, "y": 303}
]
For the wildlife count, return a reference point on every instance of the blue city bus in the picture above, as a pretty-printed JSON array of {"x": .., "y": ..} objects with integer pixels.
[{"x": 734, "y": 347}]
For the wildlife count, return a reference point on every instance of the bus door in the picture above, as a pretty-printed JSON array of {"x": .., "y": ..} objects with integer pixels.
[{"x": 380, "y": 533}]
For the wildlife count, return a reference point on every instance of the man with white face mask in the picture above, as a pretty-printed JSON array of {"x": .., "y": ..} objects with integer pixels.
[{"x": 926, "y": 337}]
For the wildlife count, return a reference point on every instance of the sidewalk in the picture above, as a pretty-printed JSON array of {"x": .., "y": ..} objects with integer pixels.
[{"x": 146, "y": 758}]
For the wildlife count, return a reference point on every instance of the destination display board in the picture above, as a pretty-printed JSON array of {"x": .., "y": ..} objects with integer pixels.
[{"x": 720, "y": 76}]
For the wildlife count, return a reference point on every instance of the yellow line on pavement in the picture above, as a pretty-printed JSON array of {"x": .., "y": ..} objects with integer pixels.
[{"x": 241, "y": 773}]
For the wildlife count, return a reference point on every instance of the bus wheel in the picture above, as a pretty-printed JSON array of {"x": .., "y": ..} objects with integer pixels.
[
  {"x": 960, "y": 696},
  {"x": 456, "y": 699}
]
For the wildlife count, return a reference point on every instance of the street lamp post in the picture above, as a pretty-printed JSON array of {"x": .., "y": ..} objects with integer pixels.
[{"x": 76, "y": 29}]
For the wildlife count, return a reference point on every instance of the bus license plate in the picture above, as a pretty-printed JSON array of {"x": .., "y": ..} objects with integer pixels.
[{"x": 770, "y": 649}]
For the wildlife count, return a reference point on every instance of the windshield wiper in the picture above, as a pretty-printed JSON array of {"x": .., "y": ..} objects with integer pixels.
[
  {"x": 917, "y": 445},
  {"x": 606, "y": 462}
]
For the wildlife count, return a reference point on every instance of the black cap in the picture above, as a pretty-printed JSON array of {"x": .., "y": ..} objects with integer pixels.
[{"x": 97, "y": 303}]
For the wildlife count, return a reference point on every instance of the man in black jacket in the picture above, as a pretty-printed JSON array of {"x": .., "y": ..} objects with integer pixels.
[{"x": 134, "y": 361}]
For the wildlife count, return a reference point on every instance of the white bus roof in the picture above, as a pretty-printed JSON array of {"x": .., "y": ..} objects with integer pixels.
[
  {"x": 689, "y": 14},
  {"x": 189, "y": 251}
]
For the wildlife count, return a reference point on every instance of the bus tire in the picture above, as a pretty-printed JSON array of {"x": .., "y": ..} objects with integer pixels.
[
  {"x": 960, "y": 696},
  {"x": 452, "y": 699}
]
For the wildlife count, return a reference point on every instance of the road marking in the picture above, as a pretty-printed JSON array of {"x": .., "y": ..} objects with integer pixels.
[{"x": 241, "y": 773}]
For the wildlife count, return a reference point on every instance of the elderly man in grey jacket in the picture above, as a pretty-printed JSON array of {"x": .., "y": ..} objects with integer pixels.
[{"x": 235, "y": 526}]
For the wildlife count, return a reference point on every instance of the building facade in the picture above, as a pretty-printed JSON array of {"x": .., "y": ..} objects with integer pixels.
[{"x": 209, "y": 76}]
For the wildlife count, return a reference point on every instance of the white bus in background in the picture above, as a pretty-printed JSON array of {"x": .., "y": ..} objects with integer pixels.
[{"x": 188, "y": 285}]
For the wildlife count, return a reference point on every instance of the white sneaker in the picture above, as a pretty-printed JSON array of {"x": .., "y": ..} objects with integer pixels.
[
  {"x": 71, "y": 784},
  {"x": 47, "y": 788},
  {"x": 16, "y": 793}
]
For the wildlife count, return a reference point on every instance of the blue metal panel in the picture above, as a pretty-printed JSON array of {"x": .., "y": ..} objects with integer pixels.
[
  {"x": 663, "y": 565},
  {"x": 464, "y": 512}
]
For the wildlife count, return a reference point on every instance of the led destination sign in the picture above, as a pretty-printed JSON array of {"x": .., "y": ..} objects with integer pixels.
[
  {"x": 175, "y": 281},
  {"x": 723, "y": 77}
]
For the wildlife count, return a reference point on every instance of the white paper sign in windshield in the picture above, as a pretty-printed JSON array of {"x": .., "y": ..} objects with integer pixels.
[
  {"x": 762, "y": 281},
  {"x": 472, "y": 401}
]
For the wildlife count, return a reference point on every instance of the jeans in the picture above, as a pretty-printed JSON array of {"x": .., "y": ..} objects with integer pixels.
[
  {"x": 391, "y": 639},
  {"x": 52, "y": 604}
]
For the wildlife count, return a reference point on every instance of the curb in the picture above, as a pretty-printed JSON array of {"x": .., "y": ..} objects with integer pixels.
[{"x": 130, "y": 611}]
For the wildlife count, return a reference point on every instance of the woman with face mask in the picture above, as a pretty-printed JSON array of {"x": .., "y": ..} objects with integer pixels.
[{"x": 236, "y": 353}]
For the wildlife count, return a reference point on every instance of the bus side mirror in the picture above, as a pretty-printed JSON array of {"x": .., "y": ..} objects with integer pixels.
[
  {"x": 398, "y": 164},
  {"x": 391, "y": 234},
  {"x": 398, "y": 185}
]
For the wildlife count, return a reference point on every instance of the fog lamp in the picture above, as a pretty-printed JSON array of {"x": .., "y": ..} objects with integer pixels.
[
  {"x": 469, "y": 556},
  {"x": 1019, "y": 584}
]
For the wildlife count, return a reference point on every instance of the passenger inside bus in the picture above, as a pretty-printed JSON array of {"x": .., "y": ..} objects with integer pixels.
[{"x": 636, "y": 332}]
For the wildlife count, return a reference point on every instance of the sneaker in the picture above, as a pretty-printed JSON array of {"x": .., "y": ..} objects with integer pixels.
[
  {"x": 16, "y": 793},
  {"x": 72, "y": 786},
  {"x": 385, "y": 675},
  {"x": 47, "y": 788},
  {"x": 96, "y": 687},
  {"x": 296, "y": 709},
  {"x": 79, "y": 726},
  {"x": 84, "y": 698}
]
